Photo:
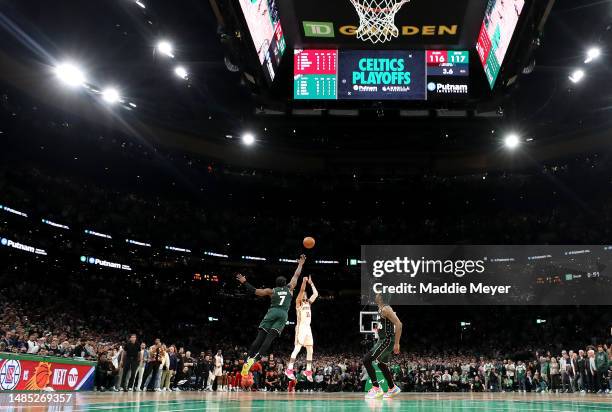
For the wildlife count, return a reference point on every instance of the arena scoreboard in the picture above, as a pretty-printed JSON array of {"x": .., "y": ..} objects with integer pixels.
[
  {"x": 263, "y": 20},
  {"x": 380, "y": 74},
  {"x": 498, "y": 27}
]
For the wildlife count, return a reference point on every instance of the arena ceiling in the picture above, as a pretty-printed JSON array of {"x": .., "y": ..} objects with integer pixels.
[{"x": 208, "y": 111}]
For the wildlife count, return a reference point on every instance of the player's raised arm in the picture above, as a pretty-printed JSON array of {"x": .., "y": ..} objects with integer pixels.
[
  {"x": 253, "y": 289},
  {"x": 315, "y": 293},
  {"x": 388, "y": 313},
  {"x": 300, "y": 296},
  {"x": 297, "y": 273}
]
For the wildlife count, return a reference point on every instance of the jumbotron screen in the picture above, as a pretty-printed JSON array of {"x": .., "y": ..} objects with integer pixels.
[
  {"x": 380, "y": 74},
  {"x": 265, "y": 28},
  {"x": 498, "y": 26}
]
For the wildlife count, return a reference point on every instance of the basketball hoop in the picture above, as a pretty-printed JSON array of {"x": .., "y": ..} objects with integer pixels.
[{"x": 377, "y": 19}]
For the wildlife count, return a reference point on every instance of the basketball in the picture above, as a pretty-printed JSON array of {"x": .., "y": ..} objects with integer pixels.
[{"x": 309, "y": 242}]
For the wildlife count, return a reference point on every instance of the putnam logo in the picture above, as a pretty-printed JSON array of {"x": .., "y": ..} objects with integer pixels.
[
  {"x": 104, "y": 263},
  {"x": 446, "y": 88},
  {"x": 20, "y": 246}
]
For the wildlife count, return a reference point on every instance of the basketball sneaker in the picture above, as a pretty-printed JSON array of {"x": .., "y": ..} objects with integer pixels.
[
  {"x": 392, "y": 392},
  {"x": 289, "y": 374},
  {"x": 308, "y": 375},
  {"x": 375, "y": 393},
  {"x": 247, "y": 366}
]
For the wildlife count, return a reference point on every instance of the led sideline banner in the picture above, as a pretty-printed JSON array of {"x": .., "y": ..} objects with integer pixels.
[
  {"x": 498, "y": 26},
  {"x": 488, "y": 275},
  {"x": 36, "y": 373},
  {"x": 380, "y": 74},
  {"x": 13, "y": 211},
  {"x": 20, "y": 246},
  {"x": 104, "y": 263}
]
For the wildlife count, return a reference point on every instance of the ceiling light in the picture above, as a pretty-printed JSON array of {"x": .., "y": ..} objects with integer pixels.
[
  {"x": 512, "y": 141},
  {"x": 165, "y": 48},
  {"x": 181, "y": 72},
  {"x": 576, "y": 76},
  {"x": 70, "y": 74},
  {"x": 593, "y": 54},
  {"x": 110, "y": 95},
  {"x": 248, "y": 139}
]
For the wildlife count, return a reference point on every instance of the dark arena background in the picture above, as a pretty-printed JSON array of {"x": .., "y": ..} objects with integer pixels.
[{"x": 195, "y": 197}]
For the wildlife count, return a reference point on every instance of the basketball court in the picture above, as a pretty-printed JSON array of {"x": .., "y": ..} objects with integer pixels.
[{"x": 198, "y": 401}]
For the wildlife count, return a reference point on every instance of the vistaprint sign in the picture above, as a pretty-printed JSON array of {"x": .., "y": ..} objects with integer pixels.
[
  {"x": 20, "y": 246},
  {"x": 104, "y": 263},
  {"x": 487, "y": 275}
]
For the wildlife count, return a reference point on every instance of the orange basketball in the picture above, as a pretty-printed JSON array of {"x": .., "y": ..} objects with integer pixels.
[{"x": 309, "y": 242}]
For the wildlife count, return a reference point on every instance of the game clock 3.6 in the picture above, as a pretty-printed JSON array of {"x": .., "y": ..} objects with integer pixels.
[{"x": 380, "y": 74}]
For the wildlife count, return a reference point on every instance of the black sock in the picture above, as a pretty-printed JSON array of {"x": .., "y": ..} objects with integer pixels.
[
  {"x": 387, "y": 374},
  {"x": 367, "y": 362},
  {"x": 261, "y": 336},
  {"x": 263, "y": 350}
]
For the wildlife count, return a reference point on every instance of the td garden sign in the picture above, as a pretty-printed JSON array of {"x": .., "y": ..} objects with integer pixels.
[
  {"x": 487, "y": 275},
  {"x": 314, "y": 23},
  {"x": 326, "y": 30}
]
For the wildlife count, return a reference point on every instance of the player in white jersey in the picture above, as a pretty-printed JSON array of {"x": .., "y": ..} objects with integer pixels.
[
  {"x": 218, "y": 372},
  {"x": 303, "y": 333}
]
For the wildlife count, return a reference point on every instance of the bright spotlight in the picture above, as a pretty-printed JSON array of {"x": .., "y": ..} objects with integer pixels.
[
  {"x": 576, "y": 76},
  {"x": 248, "y": 139},
  {"x": 593, "y": 54},
  {"x": 165, "y": 47},
  {"x": 512, "y": 141},
  {"x": 141, "y": 4},
  {"x": 70, "y": 74},
  {"x": 181, "y": 72},
  {"x": 110, "y": 95}
]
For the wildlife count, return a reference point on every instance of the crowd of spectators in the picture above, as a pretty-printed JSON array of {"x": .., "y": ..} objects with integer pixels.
[
  {"x": 56, "y": 306},
  {"x": 134, "y": 364}
]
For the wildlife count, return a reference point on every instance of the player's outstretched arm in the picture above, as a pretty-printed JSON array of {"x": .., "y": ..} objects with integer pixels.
[
  {"x": 297, "y": 273},
  {"x": 300, "y": 296},
  {"x": 253, "y": 289},
  {"x": 315, "y": 293},
  {"x": 388, "y": 313}
]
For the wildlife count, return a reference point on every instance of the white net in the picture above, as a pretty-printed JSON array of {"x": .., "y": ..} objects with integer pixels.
[{"x": 377, "y": 19}]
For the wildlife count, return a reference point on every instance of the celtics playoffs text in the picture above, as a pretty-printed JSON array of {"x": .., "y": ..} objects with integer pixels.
[{"x": 419, "y": 268}]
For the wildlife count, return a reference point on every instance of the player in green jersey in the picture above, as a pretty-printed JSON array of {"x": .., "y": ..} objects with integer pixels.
[
  {"x": 389, "y": 334},
  {"x": 275, "y": 320}
]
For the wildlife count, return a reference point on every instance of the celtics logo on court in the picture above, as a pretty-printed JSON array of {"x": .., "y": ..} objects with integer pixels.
[{"x": 10, "y": 374}]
